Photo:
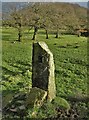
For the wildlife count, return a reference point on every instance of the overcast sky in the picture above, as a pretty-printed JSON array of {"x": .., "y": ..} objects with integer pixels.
[{"x": 44, "y": 0}]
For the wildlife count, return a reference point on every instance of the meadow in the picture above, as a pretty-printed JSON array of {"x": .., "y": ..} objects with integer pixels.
[{"x": 70, "y": 56}]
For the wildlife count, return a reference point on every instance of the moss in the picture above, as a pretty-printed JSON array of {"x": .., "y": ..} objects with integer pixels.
[
  {"x": 61, "y": 103},
  {"x": 35, "y": 97},
  {"x": 6, "y": 99}
]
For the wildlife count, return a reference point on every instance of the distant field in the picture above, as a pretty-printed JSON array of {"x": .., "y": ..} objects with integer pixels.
[{"x": 70, "y": 55}]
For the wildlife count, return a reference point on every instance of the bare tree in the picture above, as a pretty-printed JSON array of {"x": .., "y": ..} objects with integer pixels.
[
  {"x": 46, "y": 23},
  {"x": 16, "y": 21},
  {"x": 32, "y": 18}
]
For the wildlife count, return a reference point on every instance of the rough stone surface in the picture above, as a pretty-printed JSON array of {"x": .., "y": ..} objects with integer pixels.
[
  {"x": 35, "y": 98},
  {"x": 43, "y": 69}
]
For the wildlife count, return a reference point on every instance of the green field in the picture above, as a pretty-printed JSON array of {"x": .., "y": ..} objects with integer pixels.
[{"x": 70, "y": 56}]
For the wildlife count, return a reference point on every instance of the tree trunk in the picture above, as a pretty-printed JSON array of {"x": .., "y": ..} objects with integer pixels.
[
  {"x": 79, "y": 34},
  {"x": 19, "y": 33},
  {"x": 19, "y": 36},
  {"x": 56, "y": 34},
  {"x": 35, "y": 31},
  {"x": 47, "y": 35}
]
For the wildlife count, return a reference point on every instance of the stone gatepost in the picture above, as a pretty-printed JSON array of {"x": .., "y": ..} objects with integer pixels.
[{"x": 43, "y": 69}]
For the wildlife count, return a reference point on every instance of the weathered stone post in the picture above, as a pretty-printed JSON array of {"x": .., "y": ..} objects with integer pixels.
[{"x": 43, "y": 69}]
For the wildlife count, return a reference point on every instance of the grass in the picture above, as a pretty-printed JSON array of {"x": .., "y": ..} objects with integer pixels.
[{"x": 70, "y": 55}]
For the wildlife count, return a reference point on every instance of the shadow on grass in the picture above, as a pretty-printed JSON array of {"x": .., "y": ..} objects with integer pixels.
[
  {"x": 19, "y": 65},
  {"x": 83, "y": 98},
  {"x": 22, "y": 66},
  {"x": 22, "y": 63},
  {"x": 9, "y": 71},
  {"x": 4, "y": 78},
  {"x": 8, "y": 38},
  {"x": 7, "y": 96}
]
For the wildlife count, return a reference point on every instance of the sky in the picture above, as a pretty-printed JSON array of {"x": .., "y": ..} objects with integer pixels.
[
  {"x": 44, "y": 0},
  {"x": 80, "y": 2}
]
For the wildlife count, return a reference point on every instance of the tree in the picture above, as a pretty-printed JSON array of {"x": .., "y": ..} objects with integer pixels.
[
  {"x": 36, "y": 24},
  {"x": 49, "y": 16},
  {"x": 46, "y": 23},
  {"x": 33, "y": 19},
  {"x": 16, "y": 21},
  {"x": 57, "y": 22}
]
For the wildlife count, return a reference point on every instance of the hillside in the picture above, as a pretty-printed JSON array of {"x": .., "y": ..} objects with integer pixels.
[
  {"x": 68, "y": 14},
  {"x": 83, "y": 4},
  {"x": 62, "y": 13},
  {"x": 7, "y": 6}
]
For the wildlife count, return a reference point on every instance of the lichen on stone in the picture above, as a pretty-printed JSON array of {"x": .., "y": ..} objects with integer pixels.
[{"x": 35, "y": 97}]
